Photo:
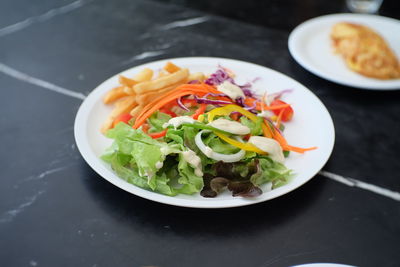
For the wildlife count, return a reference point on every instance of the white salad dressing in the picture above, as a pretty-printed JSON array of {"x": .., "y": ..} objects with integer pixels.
[
  {"x": 159, "y": 164},
  {"x": 148, "y": 174},
  {"x": 270, "y": 146},
  {"x": 230, "y": 126},
  {"x": 194, "y": 161},
  {"x": 264, "y": 113},
  {"x": 231, "y": 90},
  {"x": 164, "y": 150},
  {"x": 177, "y": 121}
]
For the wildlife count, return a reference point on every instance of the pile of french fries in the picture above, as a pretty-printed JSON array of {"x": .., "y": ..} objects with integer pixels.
[{"x": 133, "y": 94}]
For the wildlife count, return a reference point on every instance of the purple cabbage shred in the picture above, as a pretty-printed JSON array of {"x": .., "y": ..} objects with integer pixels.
[
  {"x": 219, "y": 77},
  {"x": 210, "y": 101}
]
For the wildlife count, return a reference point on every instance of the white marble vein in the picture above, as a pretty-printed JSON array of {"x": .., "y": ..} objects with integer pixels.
[
  {"x": 356, "y": 183},
  {"x": 281, "y": 257},
  {"x": 45, "y": 173},
  {"x": 38, "y": 82},
  {"x": 41, "y": 18},
  {"x": 144, "y": 55},
  {"x": 9, "y": 215},
  {"x": 184, "y": 23}
]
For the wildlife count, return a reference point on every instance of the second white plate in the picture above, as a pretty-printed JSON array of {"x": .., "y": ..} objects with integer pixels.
[{"x": 310, "y": 46}]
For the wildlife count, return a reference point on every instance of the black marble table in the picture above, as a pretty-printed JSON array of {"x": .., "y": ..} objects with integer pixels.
[{"x": 56, "y": 211}]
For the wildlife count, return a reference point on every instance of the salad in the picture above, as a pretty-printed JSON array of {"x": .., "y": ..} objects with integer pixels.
[{"x": 187, "y": 133}]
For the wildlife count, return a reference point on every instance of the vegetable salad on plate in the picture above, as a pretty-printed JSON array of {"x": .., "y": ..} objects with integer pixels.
[{"x": 177, "y": 132}]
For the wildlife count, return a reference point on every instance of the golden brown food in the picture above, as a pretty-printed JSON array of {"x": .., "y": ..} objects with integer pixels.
[
  {"x": 365, "y": 51},
  {"x": 133, "y": 94}
]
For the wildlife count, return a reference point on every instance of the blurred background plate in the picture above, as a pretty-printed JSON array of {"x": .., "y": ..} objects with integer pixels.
[
  {"x": 310, "y": 46},
  {"x": 323, "y": 265}
]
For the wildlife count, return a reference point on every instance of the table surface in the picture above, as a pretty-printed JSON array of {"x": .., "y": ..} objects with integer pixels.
[{"x": 56, "y": 211}]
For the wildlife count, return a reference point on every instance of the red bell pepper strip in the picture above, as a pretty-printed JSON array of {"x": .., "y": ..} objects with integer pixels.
[
  {"x": 158, "y": 135},
  {"x": 287, "y": 111},
  {"x": 199, "y": 111},
  {"x": 125, "y": 118},
  {"x": 168, "y": 111}
]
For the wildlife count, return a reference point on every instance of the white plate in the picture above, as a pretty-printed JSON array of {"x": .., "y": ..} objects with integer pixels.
[
  {"x": 323, "y": 265},
  {"x": 310, "y": 46},
  {"x": 311, "y": 126}
]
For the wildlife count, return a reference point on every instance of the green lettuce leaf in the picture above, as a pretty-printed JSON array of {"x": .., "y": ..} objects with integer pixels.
[
  {"x": 134, "y": 157},
  {"x": 219, "y": 145},
  {"x": 190, "y": 181},
  {"x": 255, "y": 127},
  {"x": 157, "y": 120},
  {"x": 271, "y": 171}
]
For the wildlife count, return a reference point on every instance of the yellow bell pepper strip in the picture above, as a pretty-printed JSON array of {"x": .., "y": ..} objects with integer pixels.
[
  {"x": 268, "y": 132},
  {"x": 228, "y": 109},
  {"x": 244, "y": 146},
  {"x": 201, "y": 118}
]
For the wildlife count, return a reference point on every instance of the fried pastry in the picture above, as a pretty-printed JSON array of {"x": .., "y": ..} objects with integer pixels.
[{"x": 365, "y": 51}]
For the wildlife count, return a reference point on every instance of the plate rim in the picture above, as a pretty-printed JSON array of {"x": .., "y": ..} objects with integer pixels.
[
  {"x": 88, "y": 155},
  {"x": 322, "y": 264},
  {"x": 302, "y": 61}
]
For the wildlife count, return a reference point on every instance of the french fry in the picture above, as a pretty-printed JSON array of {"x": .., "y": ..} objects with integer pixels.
[
  {"x": 135, "y": 93},
  {"x": 136, "y": 110},
  {"x": 129, "y": 90},
  {"x": 145, "y": 75},
  {"x": 197, "y": 76},
  {"x": 107, "y": 125},
  {"x": 145, "y": 98},
  {"x": 171, "y": 67},
  {"x": 114, "y": 94},
  {"x": 123, "y": 101},
  {"x": 162, "y": 73},
  {"x": 126, "y": 81},
  {"x": 124, "y": 106},
  {"x": 161, "y": 82}
]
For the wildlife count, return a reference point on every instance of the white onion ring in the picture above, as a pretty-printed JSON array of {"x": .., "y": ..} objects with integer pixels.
[{"x": 214, "y": 155}]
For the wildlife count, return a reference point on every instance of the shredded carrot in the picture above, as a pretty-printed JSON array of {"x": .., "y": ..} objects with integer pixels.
[
  {"x": 284, "y": 144},
  {"x": 275, "y": 134},
  {"x": 199, "y": 111},
  {"x": 299, "y": 149},
  {"x": 281, "y": 140},
  {"x": 145, "y": 127},
  {"x": 267, "y": 130},
  {"x": 182, "y": 90},
  {"x": 166, "y": 99},
  {"x": 153, "y": 106},
  {"x": 249, "y": 101},
  {"x": 260, "y": 106},
  {"x": 278, "y": 120},
  {"x": 223, "y": 98}
]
